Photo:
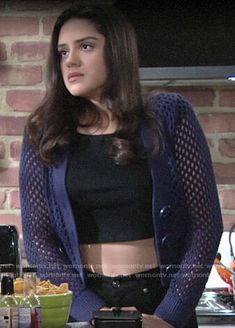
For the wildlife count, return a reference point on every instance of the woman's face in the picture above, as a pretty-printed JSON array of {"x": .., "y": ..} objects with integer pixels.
[{"x": 82, "y": 53}]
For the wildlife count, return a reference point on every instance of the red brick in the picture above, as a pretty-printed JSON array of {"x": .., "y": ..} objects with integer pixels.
[
  {"x": 12, "y": 125},
  {"x": 39, "y": 4},
  {"x": 48, "y": 24},
  {"x": 198, "y": 98},
  {"x": 15, "y": 149},
  {"x": 20, "y": 75},
  {"x": 228, "y": 221},
  {"x": 9, "y": 177},
  {"x": 14, "y": 199},
  {"x": 28, "y": 51},
  {"x": 227, "y": 199},
  {"x": 24, "y": 100},
  {"x": 227, "y": 147},
  {"x": 2, "y": 199},
  {"x": 227, "y": 98},
  {"x": 217, "y": 123},
  {"x": 2, "y": 150},
  {"x": 12, "y": 219},
  {"x": 224, "y": 173},
  {"x": 12, "y": 25},
  {"x": 3, "y": 52}
]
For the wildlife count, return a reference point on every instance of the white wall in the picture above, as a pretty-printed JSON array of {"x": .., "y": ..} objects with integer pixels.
[{"x": 224, "y": 250}]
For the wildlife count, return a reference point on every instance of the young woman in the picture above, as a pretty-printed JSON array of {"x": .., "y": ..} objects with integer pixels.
[{"x": 117, "y": 190}]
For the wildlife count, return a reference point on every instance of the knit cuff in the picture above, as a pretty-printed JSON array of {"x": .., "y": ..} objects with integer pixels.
[
  {"x": 175, "y": 313},
  {"x": 84, "y": 304}
]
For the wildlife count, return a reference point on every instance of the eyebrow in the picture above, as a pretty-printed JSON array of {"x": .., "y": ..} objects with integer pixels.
[{"x": 78, "y": 41}]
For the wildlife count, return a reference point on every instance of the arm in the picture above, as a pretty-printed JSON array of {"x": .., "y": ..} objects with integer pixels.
[
  {"x": 42, "y": 245},
  {"x": 204, "y": 222}
]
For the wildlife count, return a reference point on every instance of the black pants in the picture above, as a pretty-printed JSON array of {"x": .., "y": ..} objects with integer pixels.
[{"x": 142, "y": 290}]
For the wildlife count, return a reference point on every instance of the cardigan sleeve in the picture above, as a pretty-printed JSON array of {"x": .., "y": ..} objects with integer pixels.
[
  {"x": 193, "y": 166},
  {"x": 42, "y": 245}
]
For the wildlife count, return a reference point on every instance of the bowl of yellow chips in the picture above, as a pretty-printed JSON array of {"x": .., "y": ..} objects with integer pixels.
[
  {"x": 55, "y": 302},
  {"x": 55, "y": 309}
]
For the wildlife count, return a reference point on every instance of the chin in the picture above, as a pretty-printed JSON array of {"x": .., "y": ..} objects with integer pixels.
[{"x": 76, "y": 93}]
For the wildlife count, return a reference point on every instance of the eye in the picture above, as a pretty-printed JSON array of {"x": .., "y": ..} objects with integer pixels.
[
  {"x": 63, "y": 53},
  {"x": 86, "y": 46}
]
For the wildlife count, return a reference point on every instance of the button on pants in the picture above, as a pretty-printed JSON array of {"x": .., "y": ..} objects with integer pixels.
[{"x": 142, "y": 290}]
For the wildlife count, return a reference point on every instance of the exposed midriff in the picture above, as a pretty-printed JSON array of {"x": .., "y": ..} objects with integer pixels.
[{"x": 119, "y": 258}]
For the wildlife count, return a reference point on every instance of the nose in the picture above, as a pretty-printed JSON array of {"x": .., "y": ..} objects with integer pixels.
[{"x": 73, "y": 58}]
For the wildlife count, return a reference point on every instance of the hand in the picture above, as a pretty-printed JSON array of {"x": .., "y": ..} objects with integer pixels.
[
  {"x": 129, "y": 308},
  {"x": 152, "y": 321},
  {"x": 105, "y": 308},
  {"x": 125, "y": 308}
]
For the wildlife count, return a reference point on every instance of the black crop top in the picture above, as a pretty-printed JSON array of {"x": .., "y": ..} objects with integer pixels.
[{"x": 110, "y": 202}]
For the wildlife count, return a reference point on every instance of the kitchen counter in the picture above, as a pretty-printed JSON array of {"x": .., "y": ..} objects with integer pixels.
[
  {"x": 217, "y": 322},
  {"x": 216, "y": 326},
  {"x": 86, "y": 325},
  {"x": 78, "y": 325}
]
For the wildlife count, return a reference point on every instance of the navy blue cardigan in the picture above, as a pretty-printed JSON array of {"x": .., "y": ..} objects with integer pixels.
[{"x": 185, "y": 210}]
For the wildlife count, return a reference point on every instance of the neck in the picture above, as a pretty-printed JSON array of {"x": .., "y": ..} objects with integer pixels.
[
  {"x": 107, "y": 128},
  {"x": 107, "y": 123}
]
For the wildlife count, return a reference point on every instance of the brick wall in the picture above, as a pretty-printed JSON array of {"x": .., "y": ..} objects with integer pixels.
[{"x": 25, "y": 27}]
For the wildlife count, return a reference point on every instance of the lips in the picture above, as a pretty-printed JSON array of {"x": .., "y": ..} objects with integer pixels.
[{"x": 72, "y": 77}]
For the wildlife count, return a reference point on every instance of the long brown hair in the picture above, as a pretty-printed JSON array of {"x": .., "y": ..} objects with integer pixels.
[{"x": 54, "y": 122}]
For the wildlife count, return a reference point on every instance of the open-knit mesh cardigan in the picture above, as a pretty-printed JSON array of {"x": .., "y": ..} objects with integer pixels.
[{"x": 185, "y": 210}]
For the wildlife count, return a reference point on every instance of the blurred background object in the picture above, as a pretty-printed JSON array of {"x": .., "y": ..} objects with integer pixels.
[{"x": 9, "y": 247}]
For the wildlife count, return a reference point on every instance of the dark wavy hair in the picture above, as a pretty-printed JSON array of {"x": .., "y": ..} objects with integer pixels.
[{"x": 53, "y": 124}]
